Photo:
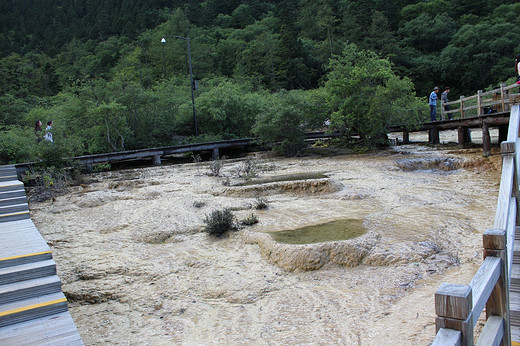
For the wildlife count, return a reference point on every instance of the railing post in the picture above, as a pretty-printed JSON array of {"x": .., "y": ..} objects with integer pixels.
[
  {"x": 494, "y": 242},
  {"x": 507, "y": 148},
  {"x": 479, "y": 103},
  {"x": 453, "y": 305},
  {"x": 461, "y": 107},
  {"x": 503, "y": 96}
]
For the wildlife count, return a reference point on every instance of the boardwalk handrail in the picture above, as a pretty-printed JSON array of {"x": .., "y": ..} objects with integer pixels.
[
  {"x": 458, "y": 307},
  {"x": 499, "y": 99}
]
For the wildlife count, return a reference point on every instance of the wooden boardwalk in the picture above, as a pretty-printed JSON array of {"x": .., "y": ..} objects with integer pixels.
[
  {"x": 495, "y": 287},
  {"x": 514, "y": 292},
  {"x": 33, "y": 310}
]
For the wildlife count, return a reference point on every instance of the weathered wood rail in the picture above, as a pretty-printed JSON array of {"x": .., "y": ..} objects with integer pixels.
[
  {"x": 458, "y": 307},
  {"x": 496, "y": 101}
]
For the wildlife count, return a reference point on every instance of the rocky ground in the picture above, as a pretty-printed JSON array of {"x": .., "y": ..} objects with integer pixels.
[{"x": 137, "y": 269}]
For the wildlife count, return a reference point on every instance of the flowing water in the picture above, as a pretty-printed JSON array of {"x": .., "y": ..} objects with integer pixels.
[
  {"x": 137, "y": 269},
  {"x": 286, "y": 177}
]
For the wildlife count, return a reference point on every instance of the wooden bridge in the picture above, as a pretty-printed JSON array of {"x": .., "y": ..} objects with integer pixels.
[
  {"x": 496, "y": 285},
  {"x": 484, "y": 110},
  {"x": 33, "y": 310},
  {"x": 157, "y": 153}
]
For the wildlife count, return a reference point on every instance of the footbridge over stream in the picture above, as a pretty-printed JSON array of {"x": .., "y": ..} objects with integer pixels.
[
  {"x": 157, "y": 155},
  {"x": 484, "y": 110}
]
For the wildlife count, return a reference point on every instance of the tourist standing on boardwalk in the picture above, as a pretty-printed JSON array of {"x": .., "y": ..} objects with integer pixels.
[
  {"x": 433, "y": 104},
  {"x": 517, "y": 68},
  {"x": 444, "y": 98},
  {"x": 48, "y": 132},
  {"x": 38, "y": 130}
]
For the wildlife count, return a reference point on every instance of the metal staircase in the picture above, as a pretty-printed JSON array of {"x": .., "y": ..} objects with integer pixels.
[{"x": 33, "y": 309}]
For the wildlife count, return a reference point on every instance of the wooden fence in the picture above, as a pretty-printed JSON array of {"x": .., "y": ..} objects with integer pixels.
[
  {"x": 496, "y": 101},
  {"x": 458, "y": 307}
]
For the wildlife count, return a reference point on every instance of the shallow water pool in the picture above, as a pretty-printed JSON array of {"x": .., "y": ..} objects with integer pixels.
[{"x": 330, "y": 231}]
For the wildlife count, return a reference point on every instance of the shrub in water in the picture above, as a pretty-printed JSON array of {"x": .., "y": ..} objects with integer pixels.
[
  {"x": 248, "y": 169},
  {"x": 251, "y": 220},
  {"x": 215, "y": 167},
  {"x": 219, "y": 222},
  {"x": 261, "y": 203}
]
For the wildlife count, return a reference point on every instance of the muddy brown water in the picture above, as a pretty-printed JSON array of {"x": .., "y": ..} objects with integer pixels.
[{"x": 137, "y": 270}]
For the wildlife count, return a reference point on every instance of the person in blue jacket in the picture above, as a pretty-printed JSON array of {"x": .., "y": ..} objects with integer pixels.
[{"x": 433, "y": 104}]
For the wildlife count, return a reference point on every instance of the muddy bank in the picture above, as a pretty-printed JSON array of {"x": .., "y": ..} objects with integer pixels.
[{"x": 137, "y": 269}]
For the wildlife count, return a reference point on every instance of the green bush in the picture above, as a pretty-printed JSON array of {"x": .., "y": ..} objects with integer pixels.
[
  {"x": 46, "y": 182},
  {"x": 219, "y": 222},
  {"x": 53, "y": 155},
  {"x": 17, "y": 145},
  {"x": 366, "y": 96},
  {"x": 281, "y": 123}
]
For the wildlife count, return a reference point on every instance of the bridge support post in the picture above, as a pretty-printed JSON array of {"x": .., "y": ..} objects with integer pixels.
[
  {"x": 157, "y": 160},
  {"x": 453, "y": 305},
  {"x": 494, "y": 242},
  {"x": 406, "y": 137},
  {"x": 433, "y": 136},
  {"x": 464, "y": 136},
  {"x": 502, "y": 133},
  {"x": 486, "y": 139},
  {"x": 215, "y": 154}
]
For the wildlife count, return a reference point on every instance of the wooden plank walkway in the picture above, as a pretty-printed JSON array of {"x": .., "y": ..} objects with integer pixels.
[{"x": 33, "y": 310}]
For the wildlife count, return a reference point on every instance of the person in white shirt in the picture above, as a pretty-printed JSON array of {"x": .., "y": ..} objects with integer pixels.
[{"x": 48, "y": 132}]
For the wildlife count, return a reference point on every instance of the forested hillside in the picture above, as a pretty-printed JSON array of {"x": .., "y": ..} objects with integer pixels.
[{"x": 98, "y": 69}]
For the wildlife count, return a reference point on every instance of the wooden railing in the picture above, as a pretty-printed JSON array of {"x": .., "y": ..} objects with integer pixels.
[
  {"x": 458, "y": 307},
  {"x": 497, "y": 100}
]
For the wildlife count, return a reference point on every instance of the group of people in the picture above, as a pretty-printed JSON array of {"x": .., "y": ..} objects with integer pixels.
[
  {"x": 433, "y": 102},
  {"x": 47, "y": 135},
  {"x": 444, "y": 96}
]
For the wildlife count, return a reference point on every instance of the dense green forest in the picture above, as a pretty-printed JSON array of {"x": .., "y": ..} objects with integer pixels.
[{"x": 272, "y": 69}]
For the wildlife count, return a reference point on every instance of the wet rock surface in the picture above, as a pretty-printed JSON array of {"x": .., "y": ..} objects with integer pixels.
[
  {"x": 444, "y": 164},
  {"x": 137, "y": 269}
]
